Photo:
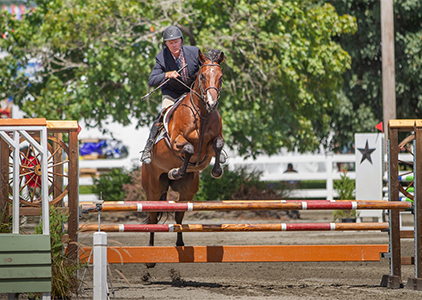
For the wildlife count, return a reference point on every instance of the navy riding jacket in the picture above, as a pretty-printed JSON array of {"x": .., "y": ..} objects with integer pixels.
[{"x": 164, "y": 62}]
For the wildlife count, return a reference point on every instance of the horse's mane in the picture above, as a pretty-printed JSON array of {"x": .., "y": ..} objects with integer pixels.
[{"x": 213, "y": 55}]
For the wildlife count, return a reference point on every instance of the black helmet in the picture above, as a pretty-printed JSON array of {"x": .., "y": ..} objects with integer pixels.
[{"x": 172, "y": 33}]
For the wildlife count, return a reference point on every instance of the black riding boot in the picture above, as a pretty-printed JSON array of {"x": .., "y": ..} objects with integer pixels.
[{"x": 155, "y": 130}]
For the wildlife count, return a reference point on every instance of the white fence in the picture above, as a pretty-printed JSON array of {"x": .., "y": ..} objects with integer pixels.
[{"x": 308, "y": 167}]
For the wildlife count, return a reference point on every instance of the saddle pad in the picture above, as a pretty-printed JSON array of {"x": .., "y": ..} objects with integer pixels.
[
  {"x": 167, "y": 116},
  {"x": 170, "y": 111}
]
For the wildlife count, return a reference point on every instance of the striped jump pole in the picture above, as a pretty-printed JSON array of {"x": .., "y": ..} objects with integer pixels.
[
  {"x": 165, "y": 206},
  {"x": 232, "y": 201},
  {"x": 235, "y": 227}
]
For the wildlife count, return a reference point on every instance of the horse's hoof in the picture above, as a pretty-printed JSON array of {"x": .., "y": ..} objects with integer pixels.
[
  {"x": 217, "y": 175},
  {"x": 150, "y": 265},
  {"x": 173, "y": 174}
]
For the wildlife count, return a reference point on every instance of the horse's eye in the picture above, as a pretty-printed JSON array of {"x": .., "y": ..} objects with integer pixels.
[{"x": 202, "y": 77}]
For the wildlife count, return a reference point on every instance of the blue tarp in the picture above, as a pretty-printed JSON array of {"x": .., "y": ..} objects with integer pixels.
[{"x": 109, "y": 148}]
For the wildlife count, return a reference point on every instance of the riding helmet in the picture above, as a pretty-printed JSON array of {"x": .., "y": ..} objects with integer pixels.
[{"x": 172, "y": 33}]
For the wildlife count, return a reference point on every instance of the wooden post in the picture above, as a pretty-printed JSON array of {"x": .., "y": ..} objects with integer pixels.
[
  {"x": 73, "y": 221},
  {"x": 418, "y": 200},
  {"x": 4, "y": 183},
  {"x": 416, "y": 282},
  {"x": 58, "y": 169},
  {"x": 395, "y": 260},
  {"x": 388, "y": 68},
  {"x": 70, "y": 127}
]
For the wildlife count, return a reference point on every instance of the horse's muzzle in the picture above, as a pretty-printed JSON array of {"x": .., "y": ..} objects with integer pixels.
[{"x": 212, "y": 102}]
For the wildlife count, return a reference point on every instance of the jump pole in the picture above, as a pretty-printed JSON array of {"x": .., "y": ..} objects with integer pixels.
[
  {"x": 240, "y": 201},
  {"x": 87, "y": 204},
  {"x": 254, "y": 253},
  {"x": 161, "y": 206},
  {"x": 235, "y": 227}
]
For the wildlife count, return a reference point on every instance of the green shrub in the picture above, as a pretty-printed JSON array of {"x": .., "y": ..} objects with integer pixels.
[
  {"x": 64, "y": 276},
  {"x": 110, "y": 185},
  {"x": 345, "y": 188},
  {"x": 227, "y": 186},
  {"x": 133, "y": 190},
  {"x": 5, "y": 221}
]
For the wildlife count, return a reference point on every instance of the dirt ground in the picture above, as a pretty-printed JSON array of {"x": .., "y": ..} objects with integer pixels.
[{"x": 224, "y": 281}]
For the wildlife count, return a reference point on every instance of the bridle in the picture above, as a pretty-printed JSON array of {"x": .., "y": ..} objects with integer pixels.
[{"x": 203, "y": 92}]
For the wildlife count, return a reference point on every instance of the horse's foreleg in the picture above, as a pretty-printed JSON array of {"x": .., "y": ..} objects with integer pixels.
[
  {"x": 152, "y": 220},
  {"x": 179, "y": 218},
  {"x": 178, "y": 173},
  {"x": 217, "y": 171}
]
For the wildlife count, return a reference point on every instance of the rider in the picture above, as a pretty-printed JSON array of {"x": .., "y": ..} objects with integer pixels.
[{"x": 168, "y": 65}]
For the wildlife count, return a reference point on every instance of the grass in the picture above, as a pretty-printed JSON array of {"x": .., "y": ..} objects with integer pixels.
[
  {"x": 85, "y": 189},
  {"x": 304, "y": 184},
  {"x": 313, "y": 184}
]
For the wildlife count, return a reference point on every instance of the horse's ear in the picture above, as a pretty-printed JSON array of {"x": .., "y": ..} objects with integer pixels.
[
  {"x": 201, "y": 57},
  {"x": 221, "y": 58}
]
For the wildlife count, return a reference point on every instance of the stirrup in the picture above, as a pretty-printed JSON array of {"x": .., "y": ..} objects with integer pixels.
[{"x": 223, "y": 157}]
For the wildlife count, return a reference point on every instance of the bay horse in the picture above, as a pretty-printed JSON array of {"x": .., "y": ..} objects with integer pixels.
[{"x": 194, "y": 134}]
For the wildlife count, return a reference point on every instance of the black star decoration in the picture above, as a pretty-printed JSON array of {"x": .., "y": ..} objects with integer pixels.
[{"x": 366, "y": 153}]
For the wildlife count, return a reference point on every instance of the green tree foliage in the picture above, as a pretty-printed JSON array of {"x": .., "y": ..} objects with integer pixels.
[
  {"x": 94, "y": 55},
  {"x": 361, "y": 101},
  {"x": 110, "y": 185},
  {"x": 282, "y": 74}
]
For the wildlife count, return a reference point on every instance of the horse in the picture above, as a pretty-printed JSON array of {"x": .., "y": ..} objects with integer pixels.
[{"x": 194, "y": 134}]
